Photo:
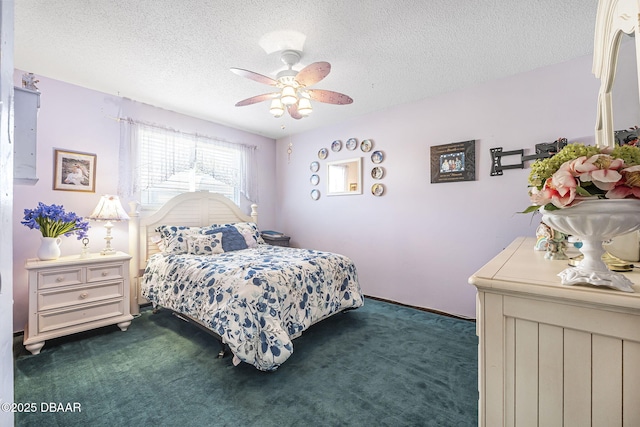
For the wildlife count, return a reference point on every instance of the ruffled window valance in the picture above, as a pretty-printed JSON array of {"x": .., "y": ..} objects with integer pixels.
[{"x": 155, "y": 155}]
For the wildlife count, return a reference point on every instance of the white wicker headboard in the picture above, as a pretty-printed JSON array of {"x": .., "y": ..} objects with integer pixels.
[{"x": 199, "y": 208}]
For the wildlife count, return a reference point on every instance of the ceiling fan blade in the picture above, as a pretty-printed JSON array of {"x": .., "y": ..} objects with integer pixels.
[
  {"x": 257, "y": 98},
  {"x": 329, "y": 96},
  {"x": 293, "y": 111},
  {"x": 313, "y": 73},
  {"x": 254, "y": 76}
]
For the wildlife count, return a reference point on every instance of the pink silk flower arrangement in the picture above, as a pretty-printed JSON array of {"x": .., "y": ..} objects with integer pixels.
[{"x": 581, "y": 172}]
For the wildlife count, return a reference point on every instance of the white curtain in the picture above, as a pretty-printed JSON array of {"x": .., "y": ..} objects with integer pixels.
[
  {"x": 128, "y": 186},
  {"x": 170, "y": 152}
]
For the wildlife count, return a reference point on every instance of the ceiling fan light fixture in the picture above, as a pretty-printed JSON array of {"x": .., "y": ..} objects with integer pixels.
[
  {"x": 292, "y": 87},
  {"x": 276, "y": 108},
  {"x": 288, "y": 96},
  {"x": 304, "y": 106}
]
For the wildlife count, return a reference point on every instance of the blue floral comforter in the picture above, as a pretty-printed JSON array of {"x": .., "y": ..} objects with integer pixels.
[{"x": 257, "y": 300}]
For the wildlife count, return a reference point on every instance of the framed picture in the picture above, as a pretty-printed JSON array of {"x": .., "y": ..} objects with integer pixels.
[
  {"x": 74, "y": 171},
  {"x": 453, "y": 162}
]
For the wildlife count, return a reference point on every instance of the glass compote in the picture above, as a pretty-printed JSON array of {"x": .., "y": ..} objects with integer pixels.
[{"x": 595, "y": 221}]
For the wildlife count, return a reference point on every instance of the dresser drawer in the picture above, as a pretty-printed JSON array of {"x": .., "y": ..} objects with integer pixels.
[
  {"x": 73, "y": 295},
  {"x": 105, "y": 272},
  {"x": 60, "y": 277},
  {"x": 59, "y": 319}
]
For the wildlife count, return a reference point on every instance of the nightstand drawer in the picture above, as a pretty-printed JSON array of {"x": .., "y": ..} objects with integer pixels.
[
  {"x": 69, "y": 296},
  {"x": 105, "y": 272},
  {"x": 58, "y": 319},
  {"x": 62, "y": 277}
]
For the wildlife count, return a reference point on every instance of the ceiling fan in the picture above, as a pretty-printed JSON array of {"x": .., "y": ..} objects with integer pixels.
[{"x": 294, "y": 94}]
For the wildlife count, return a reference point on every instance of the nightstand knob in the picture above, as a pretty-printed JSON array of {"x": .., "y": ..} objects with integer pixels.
[
  {"x": 105, "y": 273},
  {"x": 84, "y": 295},
  {"x": 59, "y": 279}
]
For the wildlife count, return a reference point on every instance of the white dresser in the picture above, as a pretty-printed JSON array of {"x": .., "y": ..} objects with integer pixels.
[
  {"x": 73, "y": 294},
  {"x": 554, "y": 355}
]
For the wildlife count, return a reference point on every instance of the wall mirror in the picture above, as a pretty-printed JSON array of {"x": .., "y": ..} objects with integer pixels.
[
  {"x": 614, "y": 18},
  {"x": 624, "y": 92},
  {"x": 344, "y": 177}
]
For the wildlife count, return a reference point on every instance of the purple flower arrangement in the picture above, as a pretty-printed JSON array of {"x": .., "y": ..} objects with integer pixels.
[{"x": 53, "y": 221}]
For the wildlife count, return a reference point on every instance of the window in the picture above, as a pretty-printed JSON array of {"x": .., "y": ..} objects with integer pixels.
[{"x": 168, "y": 163}]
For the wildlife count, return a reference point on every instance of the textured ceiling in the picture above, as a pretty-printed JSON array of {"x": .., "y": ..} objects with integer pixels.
[{"x": 176, "y": 54}]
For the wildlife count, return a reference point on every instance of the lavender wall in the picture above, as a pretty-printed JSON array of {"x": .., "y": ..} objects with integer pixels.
[
  {"x": 78, "y": 119},
  {"x": 419, "y": 242}
]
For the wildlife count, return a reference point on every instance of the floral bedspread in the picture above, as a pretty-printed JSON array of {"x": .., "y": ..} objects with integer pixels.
[{"x": 257, "y": 300}]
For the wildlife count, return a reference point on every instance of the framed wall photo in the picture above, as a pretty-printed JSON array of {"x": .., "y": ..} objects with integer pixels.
[
  {"x": 453, "y": 162},
  {"x": 74, "y": 171}
]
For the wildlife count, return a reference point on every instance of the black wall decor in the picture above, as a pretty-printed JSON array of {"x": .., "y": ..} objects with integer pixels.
[
  {"x": 543, "y": 151},
  {"x": 453, "y": 162}
]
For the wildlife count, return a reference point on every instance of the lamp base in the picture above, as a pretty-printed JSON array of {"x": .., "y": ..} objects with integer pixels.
[{"x": 108, "y": 250}]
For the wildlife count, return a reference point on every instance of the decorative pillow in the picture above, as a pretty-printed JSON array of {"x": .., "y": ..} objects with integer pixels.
[
  {"x": 175, "y": 237},
  {"x": 247, "y": 229},
  {"x": 249, "y": 238},
  {"x": 205, "y": 244},
  {"x": 232, "y": 240}
]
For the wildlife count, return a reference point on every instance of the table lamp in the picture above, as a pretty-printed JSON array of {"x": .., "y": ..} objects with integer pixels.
[{"x": 109, "y": 209}]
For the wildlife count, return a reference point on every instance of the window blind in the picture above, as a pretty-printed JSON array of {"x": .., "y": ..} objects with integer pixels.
[{"x": 166, "y": 162}]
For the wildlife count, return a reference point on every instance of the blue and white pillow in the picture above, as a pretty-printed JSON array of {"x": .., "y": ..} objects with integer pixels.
[
  {"x": 174, "y": 237},
  {"x": 236, "y": 236},
  {"x": 247, "y": 229},
  {"x": 232, "y": 240},
  {"x": 205, "y": 244}
]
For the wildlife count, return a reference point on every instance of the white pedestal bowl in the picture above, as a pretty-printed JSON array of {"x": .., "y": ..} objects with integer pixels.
[{"x": 595, "y": 221}]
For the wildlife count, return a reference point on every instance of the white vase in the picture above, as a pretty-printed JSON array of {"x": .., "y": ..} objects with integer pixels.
[
  {"x": 49, "y": 248},
  {"x": 595, "y": 221}
]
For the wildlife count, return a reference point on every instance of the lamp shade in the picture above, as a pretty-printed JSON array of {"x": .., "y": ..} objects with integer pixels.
[
  {"x": 288, "y": 96},
  {"x": 109, "y": 208},
  {"x": 304, "y": 106},
  {"x": 276, "y": 108}
]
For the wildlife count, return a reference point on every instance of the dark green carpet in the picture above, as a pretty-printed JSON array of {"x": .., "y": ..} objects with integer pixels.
[{"x": 380, "y": 365}]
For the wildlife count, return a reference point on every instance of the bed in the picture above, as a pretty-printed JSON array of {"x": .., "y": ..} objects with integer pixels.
[{"x": 204, "y": 259}]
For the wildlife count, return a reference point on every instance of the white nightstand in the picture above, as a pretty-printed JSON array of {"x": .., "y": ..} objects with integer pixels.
[{"x": 73, "y": 294}]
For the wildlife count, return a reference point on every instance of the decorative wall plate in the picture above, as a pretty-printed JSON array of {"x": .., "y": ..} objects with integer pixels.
[
  {"x": 366, "y": 145},
  {"x": 323, "y": 153},
  {"x": 377, "y": 157},
  {"x": 336, "y": 145},
  {"x": 315, "y": 194},
  {"x": 377, "y": 172},
  {"x": 352, "y": 143},
  {"x": 315, "y": 166},
  {"x": 377, "y": 189},
  {"x": 315, "y": 179}
]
